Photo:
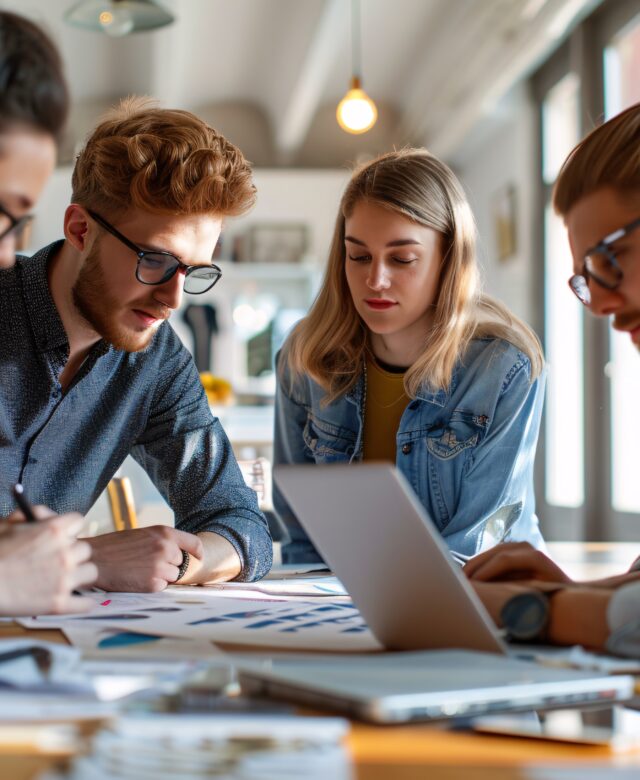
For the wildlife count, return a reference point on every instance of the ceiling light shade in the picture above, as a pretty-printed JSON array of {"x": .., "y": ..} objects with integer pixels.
[
  {"x": 118, "y": 17},
  {"x": 356, "y": 112}
]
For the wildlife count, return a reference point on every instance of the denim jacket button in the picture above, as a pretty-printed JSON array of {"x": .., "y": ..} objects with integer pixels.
[{"x": 406, "y": 449}]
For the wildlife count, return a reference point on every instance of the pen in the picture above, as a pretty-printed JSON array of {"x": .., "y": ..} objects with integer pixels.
[{"x": 23, "y": 503}]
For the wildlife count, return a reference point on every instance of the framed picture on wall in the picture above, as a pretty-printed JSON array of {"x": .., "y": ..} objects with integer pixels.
[
  {"x": 278, "y": 242},
  {"x": 505, "y": 217}
]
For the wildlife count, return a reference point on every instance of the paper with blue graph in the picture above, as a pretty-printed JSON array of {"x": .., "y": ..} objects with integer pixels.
[{"x": 327, "y": 624}]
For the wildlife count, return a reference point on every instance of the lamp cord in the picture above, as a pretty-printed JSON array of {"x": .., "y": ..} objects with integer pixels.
[{"x": 355, "y": 39}]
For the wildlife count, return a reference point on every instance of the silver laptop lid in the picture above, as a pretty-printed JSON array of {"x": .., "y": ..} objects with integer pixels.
[{"x": 375, "y": 535}]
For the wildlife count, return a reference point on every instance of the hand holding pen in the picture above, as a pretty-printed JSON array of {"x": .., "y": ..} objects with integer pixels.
[
  {"x": 23, "y": 503},
  {"x": 42, "y": 562}
]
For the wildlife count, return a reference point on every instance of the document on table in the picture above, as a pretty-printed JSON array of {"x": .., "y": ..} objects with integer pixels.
[
  {"x": 32, "y": 665},
  {"x": 102, "y": 643},
  {"x": 577, "y": 657},
  {"x": 321, "y": 624},
  {"x": 38, "y": 688},
  {"x": 308, "y": 586}
]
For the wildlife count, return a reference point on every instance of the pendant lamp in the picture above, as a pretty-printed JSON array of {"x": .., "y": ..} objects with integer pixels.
[
  {"x": 118, "y": 18},
  {"x": 356, "y": 112}
]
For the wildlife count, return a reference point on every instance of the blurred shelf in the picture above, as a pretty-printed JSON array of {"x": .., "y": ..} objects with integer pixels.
[
  {"x": 283, "y": 271},
  {"x": 246, "y": 426}
]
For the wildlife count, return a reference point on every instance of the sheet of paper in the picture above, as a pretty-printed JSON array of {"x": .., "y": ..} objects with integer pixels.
[
  {"x": 108, "y": 604},
  {"x": 241, "y": 746},
  {"x": 38, "y": 708},
  {"x": 323, "y": 624},
  {"x": 60, "y": 670},
  {"x": 321, "y": 587},
  {"x": 327, "y": 625},
  {"x": 107, "y": 643},
  {"x": 578, "y": 658},
  {"x": 177, "y": 598}
]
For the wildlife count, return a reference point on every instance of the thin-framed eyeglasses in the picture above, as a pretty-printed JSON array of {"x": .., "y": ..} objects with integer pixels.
[
  {"x": 11, "y": 224},
  {"x": 157, "y": 267},
  {"x": 601, "y": 265}
]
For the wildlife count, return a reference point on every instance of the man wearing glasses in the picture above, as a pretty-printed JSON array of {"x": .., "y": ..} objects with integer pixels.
[
  {"x": 102, "y": 375},
  {"x": 598, "y": 195},
  {"x": 41, "y": 563},
  {"x": 33, "y": 108}
]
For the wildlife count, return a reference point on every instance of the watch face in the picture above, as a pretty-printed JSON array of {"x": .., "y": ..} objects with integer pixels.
[{"x": 525, "y": 616}]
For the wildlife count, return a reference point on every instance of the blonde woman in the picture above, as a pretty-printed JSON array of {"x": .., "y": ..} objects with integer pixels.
[{"x": 402, "y": 359}]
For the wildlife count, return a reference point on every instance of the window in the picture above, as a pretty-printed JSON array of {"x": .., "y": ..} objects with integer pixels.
[
  {"x": 622, "y": 89},
  {"x": 564, "y": 426},
  {"x": 590, "y": 470}
]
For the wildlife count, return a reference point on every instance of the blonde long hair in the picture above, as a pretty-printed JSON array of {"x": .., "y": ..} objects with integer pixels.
[{"x": 330, "y": 343}]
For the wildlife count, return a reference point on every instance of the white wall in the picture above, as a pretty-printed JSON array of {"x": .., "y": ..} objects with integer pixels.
[
  {"x": 499, "y": 153},
  {"x": 309, "y": 196}
]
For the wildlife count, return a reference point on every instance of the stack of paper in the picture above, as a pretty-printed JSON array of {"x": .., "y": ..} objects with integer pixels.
[
  {"x": 45, "y": 681},
  {"x": 237, "y": 747}
]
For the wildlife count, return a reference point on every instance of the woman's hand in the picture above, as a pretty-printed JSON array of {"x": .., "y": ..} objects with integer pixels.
[
  {"x": 42, "y": 563},
  {"x": 514, "y": 561}
]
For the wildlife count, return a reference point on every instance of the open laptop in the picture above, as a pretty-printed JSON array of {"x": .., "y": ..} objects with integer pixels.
[{"x": 377, "y": 538}]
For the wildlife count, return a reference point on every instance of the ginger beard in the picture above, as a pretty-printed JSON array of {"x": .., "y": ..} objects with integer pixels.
[{"x": 102, "y": 309}]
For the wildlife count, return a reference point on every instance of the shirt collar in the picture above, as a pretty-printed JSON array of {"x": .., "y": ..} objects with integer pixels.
[{"x": 46, "y": 325}]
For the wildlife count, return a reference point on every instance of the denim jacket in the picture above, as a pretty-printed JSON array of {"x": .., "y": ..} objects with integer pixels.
[{"x": 468, "y": 452}]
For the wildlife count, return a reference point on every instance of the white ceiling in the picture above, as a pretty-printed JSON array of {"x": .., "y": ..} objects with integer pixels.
[{"x": 269, "y": 73}]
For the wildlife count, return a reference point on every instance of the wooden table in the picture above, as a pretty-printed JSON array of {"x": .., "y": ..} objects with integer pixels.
[{"x": 425, "y": 751}]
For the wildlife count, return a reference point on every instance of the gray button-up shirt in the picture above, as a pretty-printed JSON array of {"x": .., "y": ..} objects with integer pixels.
[{"x": 65, "y": 446}]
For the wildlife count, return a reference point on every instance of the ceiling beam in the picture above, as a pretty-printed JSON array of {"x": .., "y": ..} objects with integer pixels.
[{"x": 329, "y": 38}]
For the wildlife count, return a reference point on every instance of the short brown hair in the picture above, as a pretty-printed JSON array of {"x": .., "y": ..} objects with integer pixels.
[
  {"x": 608, "y": 157},
  {"x": 33, "y": 90},
  {"x": 160, "y": 161}
]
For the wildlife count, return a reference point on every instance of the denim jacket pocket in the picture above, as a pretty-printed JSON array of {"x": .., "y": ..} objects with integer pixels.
[
  {"x": 460, "y": 433},
  {"x": 327, "y": 442}
]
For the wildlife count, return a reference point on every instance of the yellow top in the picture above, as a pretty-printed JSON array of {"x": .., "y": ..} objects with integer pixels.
[{"x": 385, "y": 403}]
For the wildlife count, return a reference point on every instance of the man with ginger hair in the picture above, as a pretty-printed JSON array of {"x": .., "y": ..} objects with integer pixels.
[{"x": 104, "y": 375}]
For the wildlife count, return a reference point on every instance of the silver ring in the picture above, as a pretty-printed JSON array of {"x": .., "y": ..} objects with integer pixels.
[{"x": 182, "y": 569}]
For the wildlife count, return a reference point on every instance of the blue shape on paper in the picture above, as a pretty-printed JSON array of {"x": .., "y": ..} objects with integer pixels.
[{"x": 126, "y": 638}]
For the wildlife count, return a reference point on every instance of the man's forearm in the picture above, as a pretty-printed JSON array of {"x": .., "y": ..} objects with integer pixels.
[{"x": 220, "y": 562}]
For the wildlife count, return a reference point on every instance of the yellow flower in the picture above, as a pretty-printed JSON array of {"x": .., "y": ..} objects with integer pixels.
[{"x": 218, "y": 390}]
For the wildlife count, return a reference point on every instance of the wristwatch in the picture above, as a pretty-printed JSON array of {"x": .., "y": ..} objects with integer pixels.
[{"x": 525, "y": 617}]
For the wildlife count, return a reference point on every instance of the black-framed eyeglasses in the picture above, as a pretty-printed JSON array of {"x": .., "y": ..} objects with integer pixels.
[
  {"x": 601, "y": 265},
  {"x": 11, "y": 224},
  {"x": 157, "y": 267}
]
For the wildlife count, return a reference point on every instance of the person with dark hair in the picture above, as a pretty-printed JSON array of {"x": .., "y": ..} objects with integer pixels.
[
  {"x": 34, "y": 102},
  {"x": 105, "y": 375},
  {"x": 598, "y": 196},
  {"x": 41, "y": 563}
]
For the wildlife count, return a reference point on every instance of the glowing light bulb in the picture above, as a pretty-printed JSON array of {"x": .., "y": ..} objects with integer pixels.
[
  {"x": 116, "y": 23},
  {"x": 356, "y": 112}
]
